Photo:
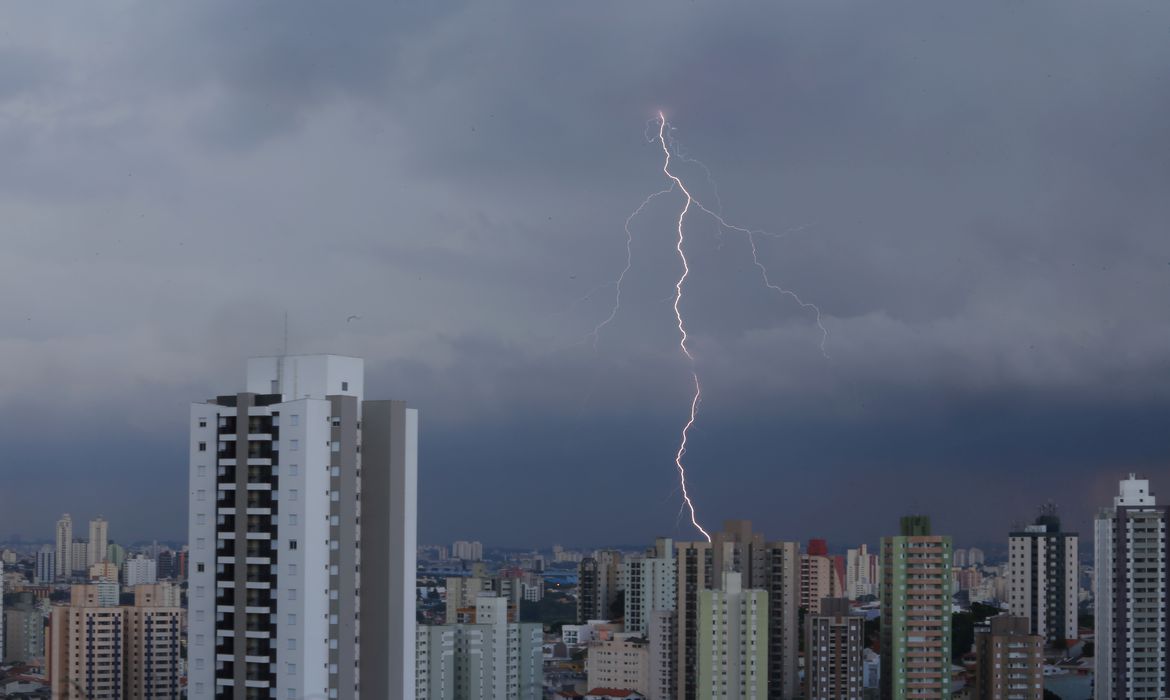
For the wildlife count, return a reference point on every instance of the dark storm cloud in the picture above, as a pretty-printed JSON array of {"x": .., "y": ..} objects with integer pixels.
[{"x": 974, "y": 195}]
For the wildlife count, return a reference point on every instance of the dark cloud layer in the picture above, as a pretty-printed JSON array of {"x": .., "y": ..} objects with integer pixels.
[{"x": 974, "y": 195}]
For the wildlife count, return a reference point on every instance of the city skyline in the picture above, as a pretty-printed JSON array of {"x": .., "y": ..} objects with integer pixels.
[{"x": 975, "y": 203}]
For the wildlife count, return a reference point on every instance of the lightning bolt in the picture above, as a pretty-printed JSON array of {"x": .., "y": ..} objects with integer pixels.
[
  {"x": 682, "y": 343},
  {"x": 750, "y": 234},
  {"x": 617, "y": 300},
  {"x": 666, "y": 141}
]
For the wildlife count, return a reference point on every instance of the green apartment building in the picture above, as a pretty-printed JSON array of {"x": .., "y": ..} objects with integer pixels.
[
  {"x": 916, "y": 613},
  {"x": 732, "y": 642}
]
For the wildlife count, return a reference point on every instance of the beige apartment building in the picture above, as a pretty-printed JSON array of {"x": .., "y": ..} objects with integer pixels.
[
  {"x": 622, "y": 663},
  {"x": 99, "y": 651},
  {"x": 1009, "y": 660}
]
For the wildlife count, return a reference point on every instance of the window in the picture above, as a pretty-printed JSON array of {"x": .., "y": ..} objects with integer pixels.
[
  {"x": 292, "y": 644},
  {"x": 201, "y": 543},
  {"x": 294, "y": 419},
  {"x": 292, "y": 669},
  {"x": 198, "y": 664},
  {"x": 201, "y": 518},
  {"x": 293, "y": 470},
  {"x": 202, "y": 422},
  {"x": 199, "y": 567},
  {"x": 292, "y": 518},
  {"x": 292, "y": 544},
  {"x": 335, "y": 446},
  {"x": 294, "y": 445},
  {"x": 345, "y": 386},
  {"x": 292, "y": 594},
  {"x": 201, "y": 495},
  {"x": 202, "y": 446},
  {"x": 292, "y": 619},
  {"x": 293, "y": 494},
  {"x": 201, "y": 470},
  {"x": 292, "y": 569}
]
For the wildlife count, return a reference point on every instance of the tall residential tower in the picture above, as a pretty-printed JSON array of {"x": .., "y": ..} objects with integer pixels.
[
  {"x": 302, "y": 497},
  {"x": 1042, "y": 573},
  {"x": 916, "y": 613},
  {"x": 1132, "y": 551}
]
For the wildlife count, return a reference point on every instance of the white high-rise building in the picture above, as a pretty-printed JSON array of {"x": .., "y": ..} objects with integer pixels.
[
  {"x": 470, "y": 551},
  {"x": 46, "y": 566},
  {"x": 651, "y": 585},
  {"x": 975, "y": 557},
  {"x": 1132, "y": 571},
  {"x": 302, "y": 496},
  {"x": 139, "y": 569},
  {"x": 1042, "y": 578},
  {"x": 98, "y": 541},
  {"x": 79, "y": 556},
  {"x": 862, "y": 572},
  {"x": 65, "y": 546}
]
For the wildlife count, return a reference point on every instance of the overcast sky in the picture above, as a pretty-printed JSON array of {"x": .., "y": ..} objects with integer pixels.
[{"x": 975, "y": 195}]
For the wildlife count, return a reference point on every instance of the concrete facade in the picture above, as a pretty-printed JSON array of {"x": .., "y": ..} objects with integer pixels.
[
  {"x": 834, "y": 644},
  {"x": 1009, "y": 660},
  {"x": 1132, "y": 567},
  {"x": 773, "y": 567},
  {"x": 622, "y": 663},
  {"x": 1043, "y": 579},
  {"x": 916, "y": 613},
  {"x": 732, "y": 648},
  {"x": 493, "y": 658},
  {"x": 278, "y": 477}
]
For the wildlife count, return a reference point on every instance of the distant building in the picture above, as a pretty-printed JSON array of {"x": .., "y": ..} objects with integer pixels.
[
  {"x": 622, "y": 663},
  {"x": 1043, "y": 578},
  {"x": 1009, "y": 660},
  {"x": 139, "y": 569},
  {"x": 468, "y": 551},
  {"x": 1132, "y": 549},
  {"x": 834, "y": 644},
  {"x": 862, "y": 572},
  {"x": 818, "y": 577},
  {"x": 79, "y": 557},
  {"x": 462, "y": 593},
  {"x": 116, "y": 554},
  {"x": 24, "y": 630},
  {"x": 64, "y": 550},
  {"x": 975, "y": 557},
  {"x": 45, "y": 570},
  {"x": 916, "y": 613},
  {"x": 493, "y": 658},
  {"x": 98, "y": 541},
  {"x": 167, "y": 565},
  {"x": 103, "y": 570},
  {"x": 960, "y": 558},
  {"x": 598, "y": 579}
]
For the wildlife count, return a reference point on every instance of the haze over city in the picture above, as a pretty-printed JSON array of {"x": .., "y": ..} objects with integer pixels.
[{"x": 973, "y": 195}]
